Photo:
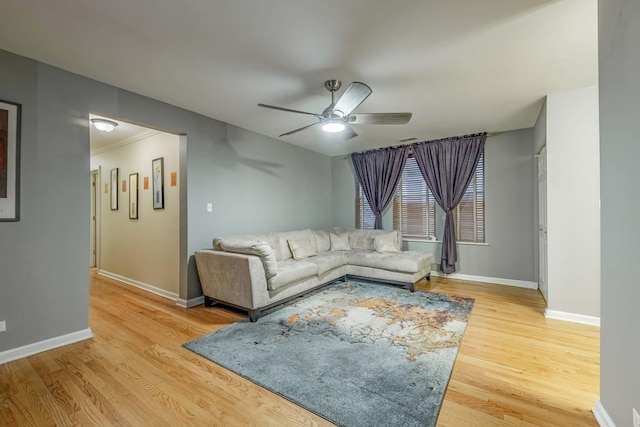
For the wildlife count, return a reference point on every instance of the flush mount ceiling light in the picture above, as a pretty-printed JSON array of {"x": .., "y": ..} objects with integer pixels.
[
  {"x": 104, "y": 125},
  {"x": 333, "y": 125}
]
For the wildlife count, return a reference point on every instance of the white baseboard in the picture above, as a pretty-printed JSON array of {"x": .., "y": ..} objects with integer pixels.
[
  {"x": 603, "y": 419},
  {"x": 188, "y": 303},
  {"x": 495, "y": 280},
  {"x": 572, "y": 317},
  {"x": 141, "y": 285},
  {"x": 48, "y": 344}
]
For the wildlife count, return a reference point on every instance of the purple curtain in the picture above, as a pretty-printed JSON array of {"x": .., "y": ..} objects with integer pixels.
[
  {"x": 448, "y": 165},
  {"x": 379, "y": 172}
]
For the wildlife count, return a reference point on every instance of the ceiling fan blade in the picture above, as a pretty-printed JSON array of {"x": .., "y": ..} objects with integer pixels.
[
  {"x": 273, "y": 107},
  {"x": 355, "y": 94},
  {"x": 298, "y": 130},
  {"x": 349, "y": 133},
  {"x": 380, "y": 118}
]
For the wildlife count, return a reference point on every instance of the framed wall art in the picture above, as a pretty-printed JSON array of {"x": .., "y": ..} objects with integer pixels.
[
  {"x": 9, "y": 161},
  {"x": 157, "y": 167},
  {"x": 133, "y": 196},
  {"x": 113, "y": 189}
]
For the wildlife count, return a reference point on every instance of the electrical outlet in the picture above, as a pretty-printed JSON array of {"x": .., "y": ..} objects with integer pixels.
[
  {"x": 636, "y": 418},
  {"x": 3, "y": 326}
]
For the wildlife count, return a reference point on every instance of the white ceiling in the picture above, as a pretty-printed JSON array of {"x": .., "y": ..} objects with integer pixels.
[
  {"x": 124, "y": 133},
  {"x": 461, "y": 66}
]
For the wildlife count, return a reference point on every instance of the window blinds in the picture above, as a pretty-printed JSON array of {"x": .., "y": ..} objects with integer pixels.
[{"x": 414, "y": 210}]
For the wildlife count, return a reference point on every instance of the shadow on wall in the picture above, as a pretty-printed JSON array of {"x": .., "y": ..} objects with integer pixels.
[
  {"x": 227, "y": 153},
  {"x": 261, "y": 165}
]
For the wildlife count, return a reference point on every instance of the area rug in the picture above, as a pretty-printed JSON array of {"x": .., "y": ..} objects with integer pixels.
[{"x": 355, "y": 353}]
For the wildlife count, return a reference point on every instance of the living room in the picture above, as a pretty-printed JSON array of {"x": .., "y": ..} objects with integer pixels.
[{"x": 45, "y": 289}]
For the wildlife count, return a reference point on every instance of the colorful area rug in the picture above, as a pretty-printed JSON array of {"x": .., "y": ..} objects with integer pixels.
[{"x": 355, "y": 353}]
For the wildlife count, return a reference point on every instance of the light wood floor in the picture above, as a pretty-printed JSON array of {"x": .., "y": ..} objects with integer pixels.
[{"x": 515, "y": 368}]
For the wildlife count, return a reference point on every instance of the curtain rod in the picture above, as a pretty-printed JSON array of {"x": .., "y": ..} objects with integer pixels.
[{"x": 429, "y": 141}]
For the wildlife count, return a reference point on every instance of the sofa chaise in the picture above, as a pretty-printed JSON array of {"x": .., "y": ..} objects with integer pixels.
[{"x": 255, "y": 272}]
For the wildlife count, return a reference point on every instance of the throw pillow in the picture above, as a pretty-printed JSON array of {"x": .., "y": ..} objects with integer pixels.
[
  {"x": 339, "y": 242},
  {"x": 301, "y": 248},
  {"x": 323, "y": 244},
  {"x": 258, "y": 248},
  {"x": 387, "y": 242}
]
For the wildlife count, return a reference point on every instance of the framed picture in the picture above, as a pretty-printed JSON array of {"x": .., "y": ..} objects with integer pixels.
[
  {"x": 133, "y": 196},
  {"x": 157, "y": 167},
  {"x": 9, "y": 161},
  {"x": 113, "y": 189}
]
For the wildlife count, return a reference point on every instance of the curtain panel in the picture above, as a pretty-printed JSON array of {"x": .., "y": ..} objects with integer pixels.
[
  {"x": 447, "y": 166},
  {"x": 378, "y": 172}
]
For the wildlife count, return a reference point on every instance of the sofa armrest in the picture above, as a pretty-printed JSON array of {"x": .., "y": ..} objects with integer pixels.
[{"x": 233, "y": 278}]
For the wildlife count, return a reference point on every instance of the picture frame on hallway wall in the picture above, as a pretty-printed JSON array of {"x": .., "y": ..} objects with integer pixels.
[
  {"x": 157, "y": 169},
  {"x": 133, "y": 196},
  {"x": 113, "y": 189},
  {"x": 10, "y": 116}
]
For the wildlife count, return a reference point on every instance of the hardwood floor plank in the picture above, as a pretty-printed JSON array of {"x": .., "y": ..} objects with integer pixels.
[
  {"x": 515, "y": 368},
  {"x": 25, "y": 401}
]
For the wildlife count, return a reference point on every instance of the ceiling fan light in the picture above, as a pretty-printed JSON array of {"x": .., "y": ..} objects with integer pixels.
[
  {"x": 333, "y": 126},
  {"x": 104, "y": 125}
]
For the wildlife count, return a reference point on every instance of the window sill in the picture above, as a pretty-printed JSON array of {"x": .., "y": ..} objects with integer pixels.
[{"x": 440, "y": 241}]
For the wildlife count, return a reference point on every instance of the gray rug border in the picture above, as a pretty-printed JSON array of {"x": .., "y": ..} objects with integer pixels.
[{"x": 287, "y": 398}]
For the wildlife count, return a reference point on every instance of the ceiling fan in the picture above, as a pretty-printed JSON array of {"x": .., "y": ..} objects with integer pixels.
[{"x": 337, "y": 116}]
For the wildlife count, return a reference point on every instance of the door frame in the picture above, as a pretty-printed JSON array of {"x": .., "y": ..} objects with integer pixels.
[
  {"x": 543, "y": 282},
  {"x": 95, "y": 200}
]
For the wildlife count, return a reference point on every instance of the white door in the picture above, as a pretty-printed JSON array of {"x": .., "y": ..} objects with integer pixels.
[
  {"x": 92, "y": 244},
  {"x": 542, "y": 223}
]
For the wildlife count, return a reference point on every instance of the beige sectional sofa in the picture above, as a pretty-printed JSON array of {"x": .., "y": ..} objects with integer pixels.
[{"x": 254, "y": 272}]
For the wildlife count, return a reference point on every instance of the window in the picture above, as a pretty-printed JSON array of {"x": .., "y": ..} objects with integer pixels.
[
  {"x": 415, "y": 211},
  {"x": 414, "y": 207},
  {"x": 364, "y": 214},
  {"x": 469, "y": 214}
]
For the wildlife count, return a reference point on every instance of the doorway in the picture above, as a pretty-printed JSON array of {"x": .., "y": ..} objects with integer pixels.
[{"x": 136, "y": 235}]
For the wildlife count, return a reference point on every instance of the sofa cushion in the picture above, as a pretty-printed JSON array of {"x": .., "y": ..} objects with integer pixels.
[
  {"x": 293, "y": 235},
  {"x": 323, "y": 242},
  {"x": 256, "y": 247},
  {"x": 339, "y": 242},
  {"x": 387, "y": 242},
  {"x": 279, "y": 245},
  {"x": 301, "y": 248},
  {"x": 362, "y": 239},
  {"x": 327, "y": 261},
  {"x": 290, "y": 271},
  {"x": 405, "y": 262}
]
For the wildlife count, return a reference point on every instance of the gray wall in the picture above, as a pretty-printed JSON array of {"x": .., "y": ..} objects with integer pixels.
[
  {"x": 620, "y": 209},
  {"x": 509, "y": 182},
  {"x": 255, "y": 183},
  {"x": 43, "y": 258},
  {"x": 573, "y": 202}
]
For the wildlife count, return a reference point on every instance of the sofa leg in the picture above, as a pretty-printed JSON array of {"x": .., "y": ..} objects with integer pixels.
[
  {"x": 428, "y": 277},
  {"x": 254, "y": 315},
  {"x": 411, "y": 287},
  {"x": 209, "y": 302}
]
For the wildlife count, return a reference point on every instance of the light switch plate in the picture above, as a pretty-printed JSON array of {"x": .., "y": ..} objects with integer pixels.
[
  {"x": 209, "y": 207},
  {"x": 3, "y": 326}
]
